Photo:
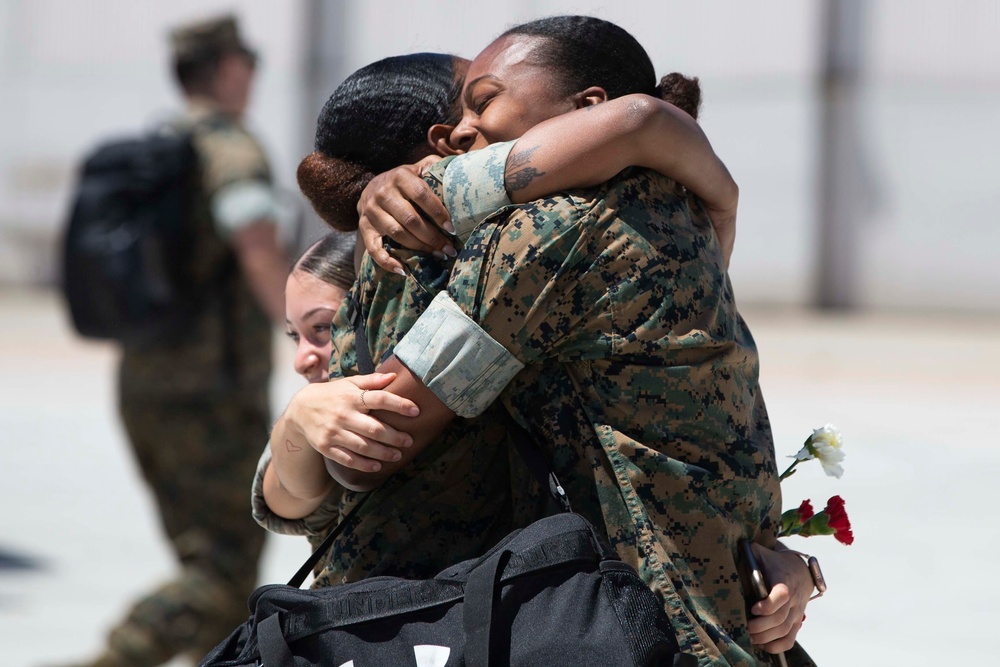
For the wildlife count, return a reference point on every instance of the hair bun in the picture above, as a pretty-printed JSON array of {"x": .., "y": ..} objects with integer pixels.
[
  {"x": 333, "y": 187},
  {"x": 682, "y": 92}
]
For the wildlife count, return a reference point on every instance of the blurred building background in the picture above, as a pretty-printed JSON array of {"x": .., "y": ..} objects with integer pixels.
[{"x": 916, "y": 202}]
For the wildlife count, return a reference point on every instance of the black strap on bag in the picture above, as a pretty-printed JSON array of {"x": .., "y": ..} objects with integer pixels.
[
  {"x": 482, "y": 593},
  {"x": 363, "y": 353},
  {"x": 274, "y": 650}
]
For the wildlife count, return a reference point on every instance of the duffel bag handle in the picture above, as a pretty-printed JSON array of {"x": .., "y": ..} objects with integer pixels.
[
  {"x": 482, "y": 595},
  {"x": 274, "y": 650}
]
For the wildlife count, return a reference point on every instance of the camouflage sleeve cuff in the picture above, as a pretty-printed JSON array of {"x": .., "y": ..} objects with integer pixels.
[
  {"x": 456, "y": 359},
  {"x": 474, "y": 186},
  {"x": 242, "y": 203},
  {"x": 316, "y": 523}
]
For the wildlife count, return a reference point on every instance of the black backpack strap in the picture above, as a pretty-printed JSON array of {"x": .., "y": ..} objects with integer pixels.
[
  {"x": 307, "y": 567},
  {"x": 357, "y": 320}
]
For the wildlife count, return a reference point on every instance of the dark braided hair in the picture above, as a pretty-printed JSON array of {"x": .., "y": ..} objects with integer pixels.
[
  {"x": 377, "y": 119},
  {"x": 584, "y": 51},
  {"x": 331, "y": 259}
]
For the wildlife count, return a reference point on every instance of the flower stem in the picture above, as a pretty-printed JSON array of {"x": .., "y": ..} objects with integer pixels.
[{"x": 789, "y": 472}]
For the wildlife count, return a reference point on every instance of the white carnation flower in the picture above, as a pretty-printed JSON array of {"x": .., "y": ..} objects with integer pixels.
[{"x": 826, "y": 445}]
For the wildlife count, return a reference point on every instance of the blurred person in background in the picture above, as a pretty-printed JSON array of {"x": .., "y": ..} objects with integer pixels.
[{"x": 196, "y": 411}]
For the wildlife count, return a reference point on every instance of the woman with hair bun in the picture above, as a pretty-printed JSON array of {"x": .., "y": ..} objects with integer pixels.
[
  {"x": 615, "y": 339},
  {"x": 396, "y": 110},
  {"x": 456, "y": 499},
  {"x": 450, "y": 500}
]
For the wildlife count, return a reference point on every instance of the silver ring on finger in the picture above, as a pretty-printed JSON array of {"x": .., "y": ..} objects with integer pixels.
[{"x": 363, "y": 400}]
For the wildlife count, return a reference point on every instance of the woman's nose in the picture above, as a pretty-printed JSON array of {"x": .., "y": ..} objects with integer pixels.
[
  {"x": 464, "y": 136},
  {"x": 306, "y": 360}
]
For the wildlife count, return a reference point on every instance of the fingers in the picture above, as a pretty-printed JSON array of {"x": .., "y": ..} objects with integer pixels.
[
  {"x": 425, "y": 163},
  {"x": 417, "y": 190},
  {"x": 352, "y": 460},
  {"x": 384, "y": 400},
  {"x": 785, "y": 637},
  {"x": 777, "y": 621},
  {"x": 372, "y": 239},
  {"x": 392, "y": 204},
  {"x": 360, "y": 452},
  {"x": 776, "y": 599},
  {"x": 397, "y": 216},
  {"x": 372, "y": 380}
]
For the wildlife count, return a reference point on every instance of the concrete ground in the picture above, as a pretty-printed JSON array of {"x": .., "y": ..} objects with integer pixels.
[{"x": 916, "y": 397}]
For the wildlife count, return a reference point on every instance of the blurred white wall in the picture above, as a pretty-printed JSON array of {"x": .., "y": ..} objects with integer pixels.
[{"x": 71, "y": 72}]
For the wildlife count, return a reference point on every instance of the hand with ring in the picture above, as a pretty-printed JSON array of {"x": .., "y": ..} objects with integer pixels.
[{"x": 334, "y": 418}]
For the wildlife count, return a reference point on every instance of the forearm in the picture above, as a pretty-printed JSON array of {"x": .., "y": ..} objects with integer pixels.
[
  {"x": 264, "y": 265},
  {"x": 424, "y": 428},
  {"x": 589, "y": 146},
  {"x": 296, "y": 482}
]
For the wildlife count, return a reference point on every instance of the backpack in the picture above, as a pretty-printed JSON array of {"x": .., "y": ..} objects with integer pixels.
[{"x": 125, "y": 266}]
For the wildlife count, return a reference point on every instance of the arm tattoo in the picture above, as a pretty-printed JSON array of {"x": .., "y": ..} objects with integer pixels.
[
  {"x": 522, "y": 173},
  {"x": 292, "y": 447},
  {"x": 521, "y": 179},
  {"x": 521, "y": 158}
]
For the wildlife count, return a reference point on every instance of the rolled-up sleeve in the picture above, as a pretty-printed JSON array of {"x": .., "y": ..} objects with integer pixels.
[
  {"x": 456, "y": 359},
  {"x": 474, "y": 188},
  {"x": 316, "y": 523}
]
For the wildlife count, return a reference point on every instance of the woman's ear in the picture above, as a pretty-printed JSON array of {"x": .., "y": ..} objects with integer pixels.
[
  {"x": 440, "y": 140},
  {"x": 590, "y": 97}
]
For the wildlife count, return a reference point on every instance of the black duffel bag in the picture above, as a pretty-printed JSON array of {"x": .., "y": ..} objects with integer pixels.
[{"x": 552, "y": 594}]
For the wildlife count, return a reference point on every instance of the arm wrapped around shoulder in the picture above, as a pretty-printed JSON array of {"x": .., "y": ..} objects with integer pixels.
[{"x": 333, "y": 187}]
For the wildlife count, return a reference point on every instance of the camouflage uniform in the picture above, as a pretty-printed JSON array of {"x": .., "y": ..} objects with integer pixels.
[
  {"x": 605, "y": 320},
  {"x": 455, "y": 500},
  {"x": 194, "y": 413}
]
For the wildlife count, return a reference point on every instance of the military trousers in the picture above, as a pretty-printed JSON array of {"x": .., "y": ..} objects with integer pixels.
[{"x": 199, "y": 458}]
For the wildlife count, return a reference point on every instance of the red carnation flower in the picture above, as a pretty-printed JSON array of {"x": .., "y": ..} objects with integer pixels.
[
  {"x": 838, "y": 520},
  {"x": 805, "y": 511}
]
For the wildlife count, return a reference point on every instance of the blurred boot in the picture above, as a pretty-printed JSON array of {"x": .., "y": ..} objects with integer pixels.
[{"x": 187, "y": 617}]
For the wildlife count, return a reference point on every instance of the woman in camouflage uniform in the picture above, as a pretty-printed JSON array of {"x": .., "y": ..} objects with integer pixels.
[
  {"x": 456, "y": 500},
  {"x": 428, "y": 528},
  {"x": 611, "y": 334}
]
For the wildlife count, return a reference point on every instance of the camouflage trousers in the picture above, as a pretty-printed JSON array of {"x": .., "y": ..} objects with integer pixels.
[{"x": 199, "y": 459}]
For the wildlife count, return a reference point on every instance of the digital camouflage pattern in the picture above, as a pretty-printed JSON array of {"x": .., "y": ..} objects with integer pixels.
[
  {"x": 196, "y": 413},
  {"x": 193, "y": 455},
  {"x": 458, "y": 497},
  {"x": 642, "y": 379}
]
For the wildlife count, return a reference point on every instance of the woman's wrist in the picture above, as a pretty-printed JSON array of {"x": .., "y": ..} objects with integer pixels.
[{"x": 815, "y": 572}]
